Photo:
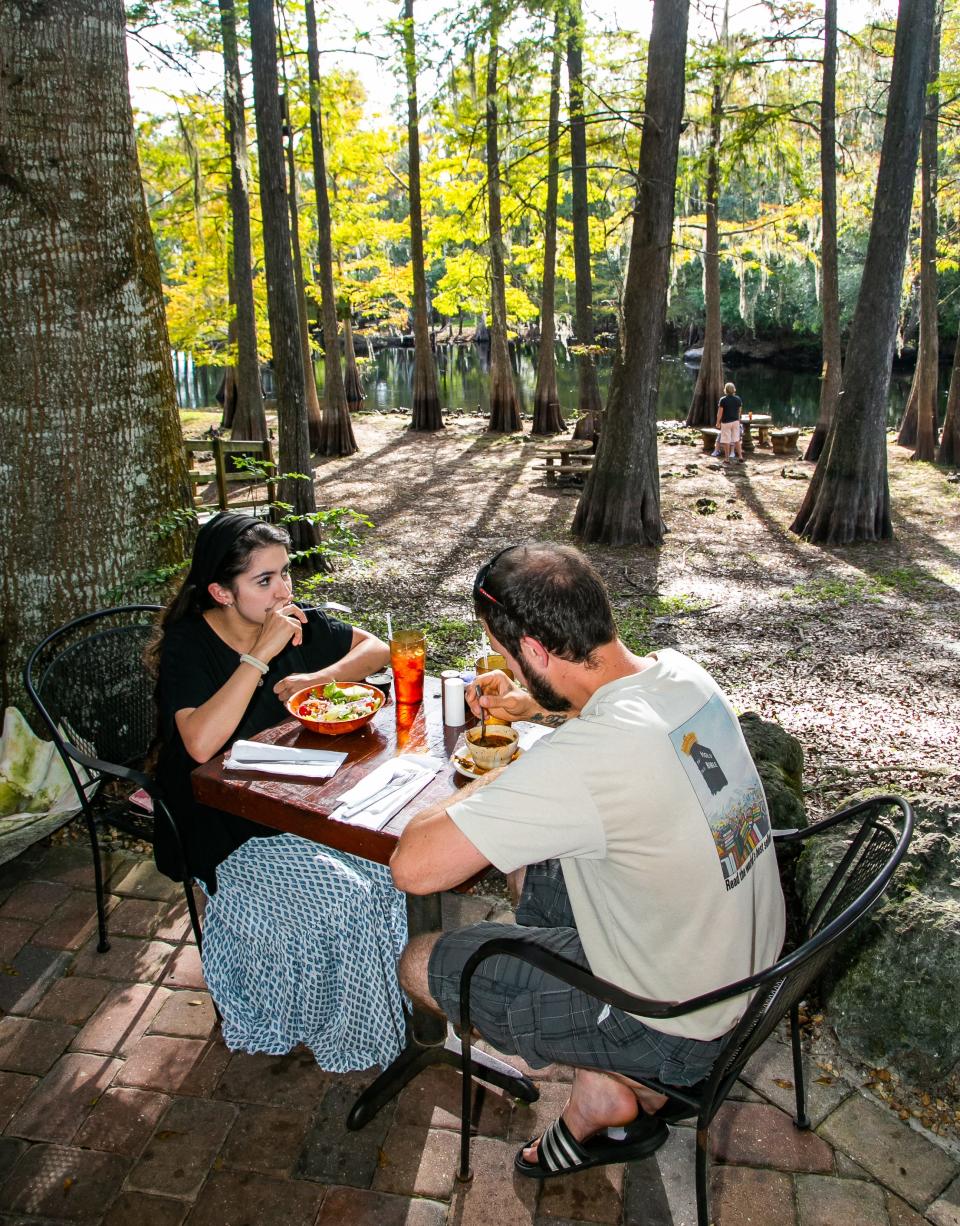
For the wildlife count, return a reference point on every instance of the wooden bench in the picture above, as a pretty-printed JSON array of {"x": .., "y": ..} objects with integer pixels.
[
  {"x": 577, "y": 469},
  {"x": 785, "y": 440},
  {"x": 221, "y": 448}
]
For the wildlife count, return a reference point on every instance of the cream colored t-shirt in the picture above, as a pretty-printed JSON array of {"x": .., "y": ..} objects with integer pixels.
[{"x": 653, "y": 805}]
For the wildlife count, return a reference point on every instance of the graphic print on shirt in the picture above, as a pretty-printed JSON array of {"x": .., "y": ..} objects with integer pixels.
[{"x": 726, "y": 783}]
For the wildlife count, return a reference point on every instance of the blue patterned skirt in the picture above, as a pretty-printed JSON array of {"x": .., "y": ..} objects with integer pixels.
[{"x": 300, "y": 945}]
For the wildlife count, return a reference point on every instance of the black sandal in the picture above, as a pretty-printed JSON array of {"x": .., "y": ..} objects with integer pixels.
[{"x": 560, "y": 1153}]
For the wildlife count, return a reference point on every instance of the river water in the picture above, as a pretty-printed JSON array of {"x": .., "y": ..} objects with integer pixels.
[{"x": 790, "y": 397}]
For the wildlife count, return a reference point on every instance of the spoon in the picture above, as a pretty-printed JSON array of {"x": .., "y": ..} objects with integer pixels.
[{"x": 483, "y": 718}]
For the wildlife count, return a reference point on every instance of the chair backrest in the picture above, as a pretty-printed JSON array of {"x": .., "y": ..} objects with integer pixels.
[
  {"x": 855, "y": 887},
  {"x": 90, "y": 683}
]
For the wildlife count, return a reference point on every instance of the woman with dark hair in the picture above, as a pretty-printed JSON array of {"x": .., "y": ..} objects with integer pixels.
[{"x": 300, "y": 941}]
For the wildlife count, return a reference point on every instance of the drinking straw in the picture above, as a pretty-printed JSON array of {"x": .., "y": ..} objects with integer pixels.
[{"x": 389, "y": 628}]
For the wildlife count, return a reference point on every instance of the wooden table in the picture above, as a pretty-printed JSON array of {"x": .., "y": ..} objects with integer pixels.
[
  {"x": 565, "y": 456},
  {"x": 303, "y": 806}
]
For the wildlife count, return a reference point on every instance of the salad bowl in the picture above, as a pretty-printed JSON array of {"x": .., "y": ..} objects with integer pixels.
[{"x": 337, "y": 707}]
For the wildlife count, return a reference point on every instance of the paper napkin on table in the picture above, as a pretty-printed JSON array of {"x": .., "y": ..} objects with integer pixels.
[
  {"x": 283, "y": 760},
  {"x": 384, "y": 792}
]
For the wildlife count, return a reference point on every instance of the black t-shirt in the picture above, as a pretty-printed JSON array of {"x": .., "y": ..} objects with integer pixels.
[
  {"x": 194, "y": 663},
  {"x": 730, "y": 407}
]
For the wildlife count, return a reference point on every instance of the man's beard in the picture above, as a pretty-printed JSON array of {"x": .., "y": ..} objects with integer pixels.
[{"x": 543, "y": 692}]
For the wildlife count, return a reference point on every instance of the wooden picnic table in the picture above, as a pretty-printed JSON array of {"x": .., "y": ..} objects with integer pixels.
[
  {"x": 762, "y": 421},
  {"x": 563, "y": 457}
]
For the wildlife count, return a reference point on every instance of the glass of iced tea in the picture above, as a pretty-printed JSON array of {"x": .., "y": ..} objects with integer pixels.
[
  {"x": 490, "y": 662},
  {"x": 408, "y": 657}
]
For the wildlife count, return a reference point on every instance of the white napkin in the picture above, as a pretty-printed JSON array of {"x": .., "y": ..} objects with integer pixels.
[
  {"x": 382, "y": 794},
  {"x": 283, "y": 760}
]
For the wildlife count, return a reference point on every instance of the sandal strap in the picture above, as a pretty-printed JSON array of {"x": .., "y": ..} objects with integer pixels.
[{"x": 559, "y": 1149}]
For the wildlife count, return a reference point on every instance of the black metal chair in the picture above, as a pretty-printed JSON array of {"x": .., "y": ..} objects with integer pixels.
[
  {"x": 90, "y": 684},
  {"x": 860, "y": 878}
]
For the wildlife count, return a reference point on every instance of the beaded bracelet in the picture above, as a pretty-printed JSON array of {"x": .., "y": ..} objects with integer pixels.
[{"x": 257, "y": 664}]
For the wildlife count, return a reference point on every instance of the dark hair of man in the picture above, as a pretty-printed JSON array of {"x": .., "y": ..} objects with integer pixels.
[
  {"x": 194, "y": 596},
  {"x": 550, "y": 593}
]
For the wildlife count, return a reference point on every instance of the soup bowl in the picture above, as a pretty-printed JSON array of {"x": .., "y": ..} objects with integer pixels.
[{"x": 495, "y": 747}]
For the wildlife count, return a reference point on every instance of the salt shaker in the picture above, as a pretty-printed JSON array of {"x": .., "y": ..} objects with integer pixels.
[
  {"x": 447, "y": 672},
  {"x": 454, "y": 710}
]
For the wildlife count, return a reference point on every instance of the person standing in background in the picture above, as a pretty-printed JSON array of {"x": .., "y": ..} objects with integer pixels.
[{"x": 728, "y": 423}]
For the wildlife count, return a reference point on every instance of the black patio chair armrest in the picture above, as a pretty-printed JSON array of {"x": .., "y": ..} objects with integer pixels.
[
  {"x": 847, "y": 814},
  {"x": 609, "y": 993},
  {"x": 107, "y": 768}
]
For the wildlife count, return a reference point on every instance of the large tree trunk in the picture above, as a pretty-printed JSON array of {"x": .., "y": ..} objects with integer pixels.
[
  {"x": 829, "y": 275},
  {"x": 281, "y": 286},
  {"x": 425, "y": 411},
  {"x": 309, "y": 378},
  {"x": 588, "y": 399},
  {"x": 709, "y": 386},
  {"x": 504, "y": 406},
  {"x": 246, "y": 418},
  {"x": 337, "y": 437},
  {"x": 547, "y": 417},
  {"x": 849, "y": 496},
  {"x": 621, "y": 502},
  {"x": 928, "y": 356},
  {"x": 89, "y": 430},
  {"x": 949, "y": 449}
]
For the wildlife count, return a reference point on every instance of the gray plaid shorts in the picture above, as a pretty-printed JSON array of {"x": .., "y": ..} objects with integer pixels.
[{"x": 522, "y": 1011}]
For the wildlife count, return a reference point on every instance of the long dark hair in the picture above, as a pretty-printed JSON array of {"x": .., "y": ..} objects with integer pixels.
[{"x": 221, "y": 563}]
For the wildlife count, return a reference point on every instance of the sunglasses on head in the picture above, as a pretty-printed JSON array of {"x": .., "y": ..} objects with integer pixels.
[{"x": 483, "y": 574}]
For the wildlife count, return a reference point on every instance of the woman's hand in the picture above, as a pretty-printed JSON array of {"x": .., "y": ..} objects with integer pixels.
[
  {"x": 367, "y": 655},
  {"x": 498, "y": 696},
  {"x": 282, "y": 626},
  {"x": 300, "y": 681}
]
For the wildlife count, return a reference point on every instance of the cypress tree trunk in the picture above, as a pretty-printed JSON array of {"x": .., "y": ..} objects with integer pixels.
[
  {"x": 281, "y": 286},
  {"x": 247, "y": 419},
  {"x": 709, "y": 386},
  {"x": 849, "y": 497},
  {"x": 504, "y": 406},
  {"x": 89, "y": 431},
  {"x": 588, "y": 400},
  {"x": 907, "y": 434},
  {"x": 949, "y": 449},
  {"x": 547, "y": 417},
  {"x": 425, "y": 411},
  {"x": 230, "y": 374},
  {"x": 352, "y": 383},
  {"x": 928, "y": 356},
  {"x": 829, "y": 276},
  {"x": 621, "y": 501},
  {"x": 309, "y": 378},
  {"x": 336, "y": 430}
]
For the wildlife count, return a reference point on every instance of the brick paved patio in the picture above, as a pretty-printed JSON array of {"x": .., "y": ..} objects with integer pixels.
[{"x": 120, "y": 1105}]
